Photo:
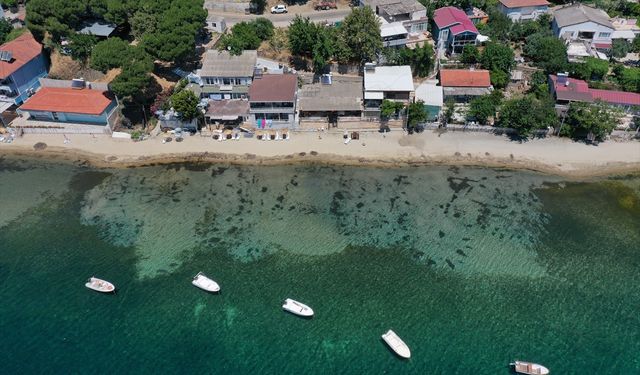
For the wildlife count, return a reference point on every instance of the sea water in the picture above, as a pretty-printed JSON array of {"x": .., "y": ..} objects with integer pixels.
[{"x": 471, "y": 267}]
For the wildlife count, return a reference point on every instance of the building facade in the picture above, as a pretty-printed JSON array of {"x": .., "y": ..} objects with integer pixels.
[
  {"x": 452, "y": 29},
  {"x": 523, "y": 10},
  {"x": 21, "y": 69},
  {"x": 462, "y": 85},
  {"x": 272, "y": 101},
  {"x": 581, "y": 22},
  {"x": 225, "y": 76},
  {"x": 393, "y": 83},
  {"x": 76, "y": 101}
]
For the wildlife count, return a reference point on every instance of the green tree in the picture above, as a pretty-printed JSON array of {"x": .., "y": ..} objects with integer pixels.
[
  {"x": 185, "y": 102},
  {"x": 143, "y": 23},
  {"x": 323, "y": 48},
  {"x": 360, "y": 33},
  {"x": 470, "y": 54},
  {"x": 526, "y": 114},
  {"x": 635, "y": 46},
  {"x": 591, "y": 120},
  {"x": 5, "y": 29},
  {"x": 132, "y": 82},
  {"x": 484, "y": 107},
  {"x": 547, "y": 52},
  {"x": 628, "y": 78},
  {"x": 109, "y": 54},
  {"x": 262, "y": 27},
  {"x": 499, "y": 79},
  {"x": 420, "y": 59},
  {"x": 302, "y": 35},
  {"x": 258, "y": 6},
  {"x": 499, "y": 25},
  {"x": 620, "y": 48},
  {"x": 497, "y": 57},
  {"x": 81, "y": 46},
  {"x": 10, "y": 3},
  {"x": 389, "y": 108},
  {"x": 591, "y": 69},
  {"x": 416, "y": 114}
]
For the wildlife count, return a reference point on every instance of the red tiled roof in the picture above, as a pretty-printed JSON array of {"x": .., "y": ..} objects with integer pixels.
[
  {"x": 53, "y": 99},
  {"x": 464, "y": 78},
  {"x": 274, "y": 88},
  {"x": 578, "y": 90},
  {"x": 23, "y": 49},
  {"x": 454, "y": 18},
  {"x": 616, "y": 97},
  {"x": 523, "y": 3}
]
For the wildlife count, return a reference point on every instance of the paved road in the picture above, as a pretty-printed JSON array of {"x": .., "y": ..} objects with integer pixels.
[{"x": 283, "y": 20}]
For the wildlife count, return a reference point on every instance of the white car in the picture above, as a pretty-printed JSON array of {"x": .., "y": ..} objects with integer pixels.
[{"x": 280, "y": 8}]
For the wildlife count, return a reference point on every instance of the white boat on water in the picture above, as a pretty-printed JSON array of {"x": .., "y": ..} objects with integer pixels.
[
  {"x": 297, "y": 308},
  {"x": 100, "y": 285},
  {"x": 396, "y": 344},
  {"x": 205, "y": 283},
  {"x": 529, "y": 368}
]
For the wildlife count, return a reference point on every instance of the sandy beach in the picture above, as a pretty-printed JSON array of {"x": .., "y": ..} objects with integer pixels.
[{"x": 558, "y": 156}]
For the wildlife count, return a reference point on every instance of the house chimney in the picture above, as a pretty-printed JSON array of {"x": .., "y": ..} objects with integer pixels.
[{"x": 369, "y": 67}]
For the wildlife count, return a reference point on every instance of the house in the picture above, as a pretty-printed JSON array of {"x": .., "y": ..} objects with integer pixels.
[
  {"x": 582, "y": 22},
  {"x": 625, "y": 28},
  {"x": 216, "y": 24},
  {"x": 401, "y": 21},
  {"x": 225, "y": 76},
  {"x": 335, "y": 97},
  {"x": 477, "y": 16},
  {"x": 75, "y": 101},
  {"x": 433, "y": 98},
  {"x": 272, "y": 101},
  {"x": 523, "y": 10},
  {"x": 99, "y": 29},
  {"x": 453, "y": 30},
  {"x": 21, "y": 66},
  {"x": 463, "y": 85},
  {"x": 566, "y": 90},
  {"x": 386, "y": 83}
]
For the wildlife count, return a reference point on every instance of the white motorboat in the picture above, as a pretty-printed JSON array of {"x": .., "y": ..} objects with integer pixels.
[
  {"x": 205, "y": 283},
  {"x": 100, "y": 285},
  {"x": 297, "y": 308},
  {"x": 396, "y": 344},
  {"x": 529, "y": 368}
]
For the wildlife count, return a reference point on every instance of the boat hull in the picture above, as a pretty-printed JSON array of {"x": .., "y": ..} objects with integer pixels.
[
  {"x": 100, "y": 285},
  {"x": 203, "y": 282},
  {"x": 529, "y": 368},
  {"x": 396, "y": 344},
  {"x": 297, "y": 308}
]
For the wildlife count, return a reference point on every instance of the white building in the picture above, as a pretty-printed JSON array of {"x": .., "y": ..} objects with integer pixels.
[
  {"x": 582, "y": 22},
  {"x": 216, "y": 24},
  {"x": 402, "y": 21},
  {"x": 386, "y": 82},
  {"x": 523, "y": 10}
]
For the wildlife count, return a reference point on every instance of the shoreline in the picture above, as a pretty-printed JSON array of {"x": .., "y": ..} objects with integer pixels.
[{"x": 395, "y": 150}]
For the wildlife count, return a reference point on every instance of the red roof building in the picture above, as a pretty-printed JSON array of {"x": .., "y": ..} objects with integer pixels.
[
  {"x": 274, "y": 88},
  {"x": 453, "y": 29},
  {"x": 464, "y": 78},
  {"x": 272, "y": 101},
  {"x": 523, "y": 3},
  {"x": 57, "y": 101},
  {"x": 23, "y": 49},
  {"x": 83, "y": 101},
  {"x": 567, "y": 90}
]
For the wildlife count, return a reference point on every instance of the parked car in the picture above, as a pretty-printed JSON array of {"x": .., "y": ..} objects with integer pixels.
[
  {"x": 280, "y": 8},
  {"x": 324, "y": 5}
]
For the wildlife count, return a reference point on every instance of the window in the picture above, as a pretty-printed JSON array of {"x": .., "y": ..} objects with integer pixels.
[
  {"x": 605, "y": 35},
  {"x": 226, "y": 81}
]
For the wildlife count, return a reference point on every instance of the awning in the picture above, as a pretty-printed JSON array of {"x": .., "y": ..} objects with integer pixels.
[
  {"x": 603, "y": 45},
  {"x": 374, "y": 95},
  {"x": 229, "y": 118}
]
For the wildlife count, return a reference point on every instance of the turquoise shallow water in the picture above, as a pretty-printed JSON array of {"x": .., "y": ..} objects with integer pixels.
[{"x": 471, "y": 267}]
